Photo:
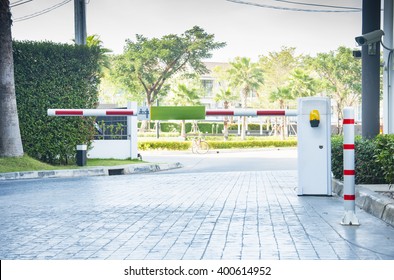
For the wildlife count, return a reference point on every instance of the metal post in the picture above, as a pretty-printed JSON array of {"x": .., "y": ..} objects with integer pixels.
[
  {"x": 157, "y": 123},
  {"x": 239, "y": 126},
  {"x": 370, "y": 72},
  {"x": 80, "y": 22},
  {"x": 349, "y": 194},
  {"x": 132, "y": 128}
]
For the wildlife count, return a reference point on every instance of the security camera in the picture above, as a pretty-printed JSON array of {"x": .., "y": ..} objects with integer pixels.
[{"x": 369, "y": 38}]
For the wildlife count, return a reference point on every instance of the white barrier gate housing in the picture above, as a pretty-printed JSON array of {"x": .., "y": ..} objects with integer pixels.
[
  {"x": 314, "y": 147},
  {"x": 314, "y": 143}
]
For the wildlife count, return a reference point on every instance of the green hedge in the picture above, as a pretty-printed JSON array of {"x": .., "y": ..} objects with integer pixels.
[
  {"x": 49, "y": 75},
  {"x": 385, "y": 156},
  {"x": 204, "y": 127},
  {"x": 184, "y": 145},
  {"x": 368, "y": 169},
  {"x": 251, "y": 144},
  {"x": 163, "y": 145},
  {"x": 251, "y": 126}
]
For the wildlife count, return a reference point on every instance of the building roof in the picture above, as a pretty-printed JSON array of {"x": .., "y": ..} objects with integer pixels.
[{"x": 211, "y": 66}]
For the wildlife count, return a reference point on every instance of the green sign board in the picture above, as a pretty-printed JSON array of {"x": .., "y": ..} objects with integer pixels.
[{"x": 178, "y": 113}]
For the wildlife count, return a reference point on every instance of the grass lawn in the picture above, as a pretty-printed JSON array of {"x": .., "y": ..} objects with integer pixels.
[
  {"x": 110, "y": 162},
  {"x": 27, "y": 163}
]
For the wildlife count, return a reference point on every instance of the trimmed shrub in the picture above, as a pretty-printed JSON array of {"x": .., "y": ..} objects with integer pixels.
[
  {"x": 204, "y": 127},
  {"x": 368, "y": 170},
  {"x": 163, "y": 145},
  {"x": 337, "y": 157},
  {"x": 385, "y": 156},
  {"x": 251, "y": 126},
  {"x": 184, "y": 145},
  {"x": 176, "y": 127},
  {"x": 49, "y": 75},
  {"x": 251, "y": 144}
]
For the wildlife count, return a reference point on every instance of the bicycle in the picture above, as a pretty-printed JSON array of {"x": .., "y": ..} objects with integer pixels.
[{"x": 199, "y": 145}]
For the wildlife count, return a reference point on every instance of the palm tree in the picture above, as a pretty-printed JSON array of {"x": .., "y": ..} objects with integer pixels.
[
  {"x": 225, "y": 95},
  {"x": 95, "y": 41},
  {"x": 10, "y": 137},
  {"x": 185, "y": 96},
  {"x": 301, "y": 84},
  {"x": 282, "y": 94},
  {"x": 246, "y": 76}
]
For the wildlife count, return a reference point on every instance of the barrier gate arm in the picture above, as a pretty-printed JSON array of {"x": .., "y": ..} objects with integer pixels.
[
  {"x": 129, "y": 112},
  {"x": 90, "y": 112}
]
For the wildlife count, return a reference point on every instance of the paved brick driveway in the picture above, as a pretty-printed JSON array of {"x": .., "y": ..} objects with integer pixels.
[{"x": 222, "y": 215}]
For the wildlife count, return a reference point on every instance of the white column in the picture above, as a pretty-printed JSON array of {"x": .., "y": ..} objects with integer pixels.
[
  {"x": 388, "y": 73},
  {"x": 132, "y": 128}
]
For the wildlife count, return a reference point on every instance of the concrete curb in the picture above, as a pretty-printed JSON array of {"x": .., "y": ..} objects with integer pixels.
[
  {"x": 93, "y": 171},
  {"x": 371, "y": 202}
]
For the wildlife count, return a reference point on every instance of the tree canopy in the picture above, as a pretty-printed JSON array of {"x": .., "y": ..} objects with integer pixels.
[
  {"x": 147, "y": 64},
  {"x": 247, "y": 77},
  {"x": 340, "y": 76}
]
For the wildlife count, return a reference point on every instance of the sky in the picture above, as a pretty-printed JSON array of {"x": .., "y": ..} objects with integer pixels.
[{"x": 248, "y": 29}]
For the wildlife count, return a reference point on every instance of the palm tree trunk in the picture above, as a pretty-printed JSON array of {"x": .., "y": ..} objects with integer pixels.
[
  {"x": 244, "y": 105},
  {"x": 183, "y": 129},
  {"x": 283, "y": 124},
  {"x": 225, "y": 123},
  {"x": 10, "y": 137}
]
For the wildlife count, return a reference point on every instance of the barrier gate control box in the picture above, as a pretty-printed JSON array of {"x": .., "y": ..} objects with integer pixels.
[{"x": 314, "y": 146}]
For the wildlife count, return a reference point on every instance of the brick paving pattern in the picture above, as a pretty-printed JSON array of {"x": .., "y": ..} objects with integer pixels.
[{"x": 223, "y": 215}]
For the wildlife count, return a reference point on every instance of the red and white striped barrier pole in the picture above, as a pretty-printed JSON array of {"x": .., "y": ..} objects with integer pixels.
[
  {"x": 91, "y": 112},
  {"x": 128, "y": 112},
  {"x": 250, "y": 112},
  {"x": 349, "y": 192}
]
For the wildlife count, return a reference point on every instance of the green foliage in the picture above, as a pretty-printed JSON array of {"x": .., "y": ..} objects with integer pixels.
[
  {"x": 185, "y": 95},
  {"x": 169, "y": 127},
  {"x": 340, "y": 77},
  {"x": 149, "y": 63},
  {"x": 203, "y": 127},
  {"x": 49, "y": 75},
  {"x": 278, "y": 67},
  {"x": 385, "y": 156},
  {"x": 251, "y": 126},
  {"x": 163, "y": 145},
  {"x": 176, "y": 127},
  {"x": 301, "y": 84},
  {"x": 246, "y": 76},
  {"x": 25, "y": 163},
  {"x": 252, "y": 144},
  {"x": 185, "y": 145},
  {"x": 368, "y": 170},
  {"x": 206, "y": 127},
  {"x": 337, "y": 157}
]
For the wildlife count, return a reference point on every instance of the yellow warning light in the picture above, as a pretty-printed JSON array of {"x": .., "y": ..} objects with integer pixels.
[{"x": 314, "y": 118}]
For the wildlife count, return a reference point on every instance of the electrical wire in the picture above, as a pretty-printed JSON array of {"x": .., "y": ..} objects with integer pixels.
[
  {"x": 47, "y": 10},
  {"x": 317, "y": 5},
  {"x": 342, "y": 10},
  {"x": 17, "y": 3}
]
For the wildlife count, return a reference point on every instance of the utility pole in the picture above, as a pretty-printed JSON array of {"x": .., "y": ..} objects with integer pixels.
[
  {"x": 370, "y": 72},
  {"x": 80, "y": 22}
]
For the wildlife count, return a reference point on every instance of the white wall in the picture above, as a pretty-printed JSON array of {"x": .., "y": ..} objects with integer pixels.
[{"x": 118, "y": 149}]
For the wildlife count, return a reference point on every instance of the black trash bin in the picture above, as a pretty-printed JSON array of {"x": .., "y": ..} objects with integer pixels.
[{"x": 81, "y": 155}]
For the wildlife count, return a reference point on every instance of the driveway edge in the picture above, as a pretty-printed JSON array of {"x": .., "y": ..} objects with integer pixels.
[
  {"x": 371, "y": 202},
  {"x": 91, "y": 171}
]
